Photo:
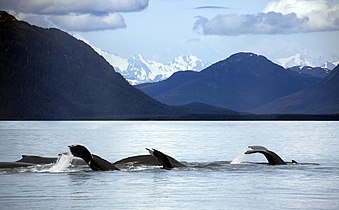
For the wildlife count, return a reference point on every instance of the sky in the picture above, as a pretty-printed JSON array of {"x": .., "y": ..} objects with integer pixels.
[{"x": 209, "y": 29}]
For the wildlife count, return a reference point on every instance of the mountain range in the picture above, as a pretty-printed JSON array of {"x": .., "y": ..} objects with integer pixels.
[
  {"x": 322, "y": 98},
  {"x": 304, "y": 59},
  {"x": 48, "y": 74},
  {"x": 140, "y": 70},
  {"x": 137, "y": 69},
  {"x": 241, "y": 82},
  {"x": 312, "y": 71}
]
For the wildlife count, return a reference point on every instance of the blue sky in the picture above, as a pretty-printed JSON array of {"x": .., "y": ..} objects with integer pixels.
[{"x": 210, "y": 29}]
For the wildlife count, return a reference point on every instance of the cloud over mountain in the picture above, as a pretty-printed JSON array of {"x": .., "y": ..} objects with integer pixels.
[
  {"x": 278, "y": 17},
  {"x": 73, "y": 15}
]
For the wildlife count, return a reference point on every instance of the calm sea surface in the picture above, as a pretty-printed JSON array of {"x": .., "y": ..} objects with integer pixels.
[{"x": 219, "y": 185}]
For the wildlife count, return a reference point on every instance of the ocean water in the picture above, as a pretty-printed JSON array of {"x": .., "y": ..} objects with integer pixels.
[{"x": 210, "y": 182}]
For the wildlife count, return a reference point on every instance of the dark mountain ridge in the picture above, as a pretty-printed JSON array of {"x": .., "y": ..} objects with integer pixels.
[
  {"x": 48, "y": 74},
  {"x": 241, "y": 82},
  {"x": 323, "y": 98},
  {"x": 312, "y": 71}
]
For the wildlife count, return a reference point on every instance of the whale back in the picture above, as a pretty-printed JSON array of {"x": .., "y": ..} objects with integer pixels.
[
  {"x": 146, "y": 160},
  {"x": 100, "y": 164},
  {"x": 15, "y": 164},
  {"x": 176, "y": 163},
  {"x": 139, "y": 160},
  {"x": 36, "y": 159}
]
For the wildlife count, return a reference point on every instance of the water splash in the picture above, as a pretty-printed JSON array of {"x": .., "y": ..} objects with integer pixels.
[
  {"x": 240, "y": 159},
  {"x": 61, "y": 165},
  {"x": 63, "y": 162}
]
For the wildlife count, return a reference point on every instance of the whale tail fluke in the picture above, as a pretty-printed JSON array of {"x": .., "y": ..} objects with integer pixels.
[
  {"x": 95, "y": 162},
  {"x": 162, "y": 158},
  {"x": 255, "y": 149},
  {"x": 272, "y": 157},
  {"x": 81, "y": 152}
]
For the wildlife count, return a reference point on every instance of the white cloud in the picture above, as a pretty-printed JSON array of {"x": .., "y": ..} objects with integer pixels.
[
  {"x": 75, "y": 22},
  {"x": 59, "y": 7},
  {"x": 322, "y": 16},
  {"x": 261, "y": 23},
  {"x": 88, "y": 22},
  {"x": 300, "y": 7},
  {"x": 278, "y": 17},
  {"x": 74, "y": 15}
]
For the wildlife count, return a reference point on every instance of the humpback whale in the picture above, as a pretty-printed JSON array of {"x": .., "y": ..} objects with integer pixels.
[
  {"x": 15, "y": 164},
  {"x": 167, "y": 161},
  {"x": 33, "y": 160},
  {"x": 138, "y": 160},
  {"x": 96, "y": 163},
  {"x": 155, "y": 158},
  {"x": 272, "y": 157},
  {"x": 28, "y": 160}
]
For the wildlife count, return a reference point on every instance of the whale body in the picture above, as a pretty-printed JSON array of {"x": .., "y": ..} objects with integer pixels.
[
  {"x": 96, "y": 163},
  {"x": 155, "y": 158},
  {"x": 33, "y": 160}
]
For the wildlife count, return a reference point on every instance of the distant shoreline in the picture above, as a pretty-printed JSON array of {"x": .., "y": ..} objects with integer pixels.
[{"x": 197, "y": 117}]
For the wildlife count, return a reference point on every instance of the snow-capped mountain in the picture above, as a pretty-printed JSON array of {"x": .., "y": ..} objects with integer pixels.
[
  {"x": 330, "y": 65},
  {"x": 303, "y": 59},
  {"x": 188, "y": 62},
  {"x": 319, "y": 72},
  {"x": 140, "y": 70}
]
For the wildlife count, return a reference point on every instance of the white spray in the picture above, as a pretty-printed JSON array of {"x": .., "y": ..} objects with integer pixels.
[
  {"x": 240, "y": 159},
  {"x": 63, "y": 162}
]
